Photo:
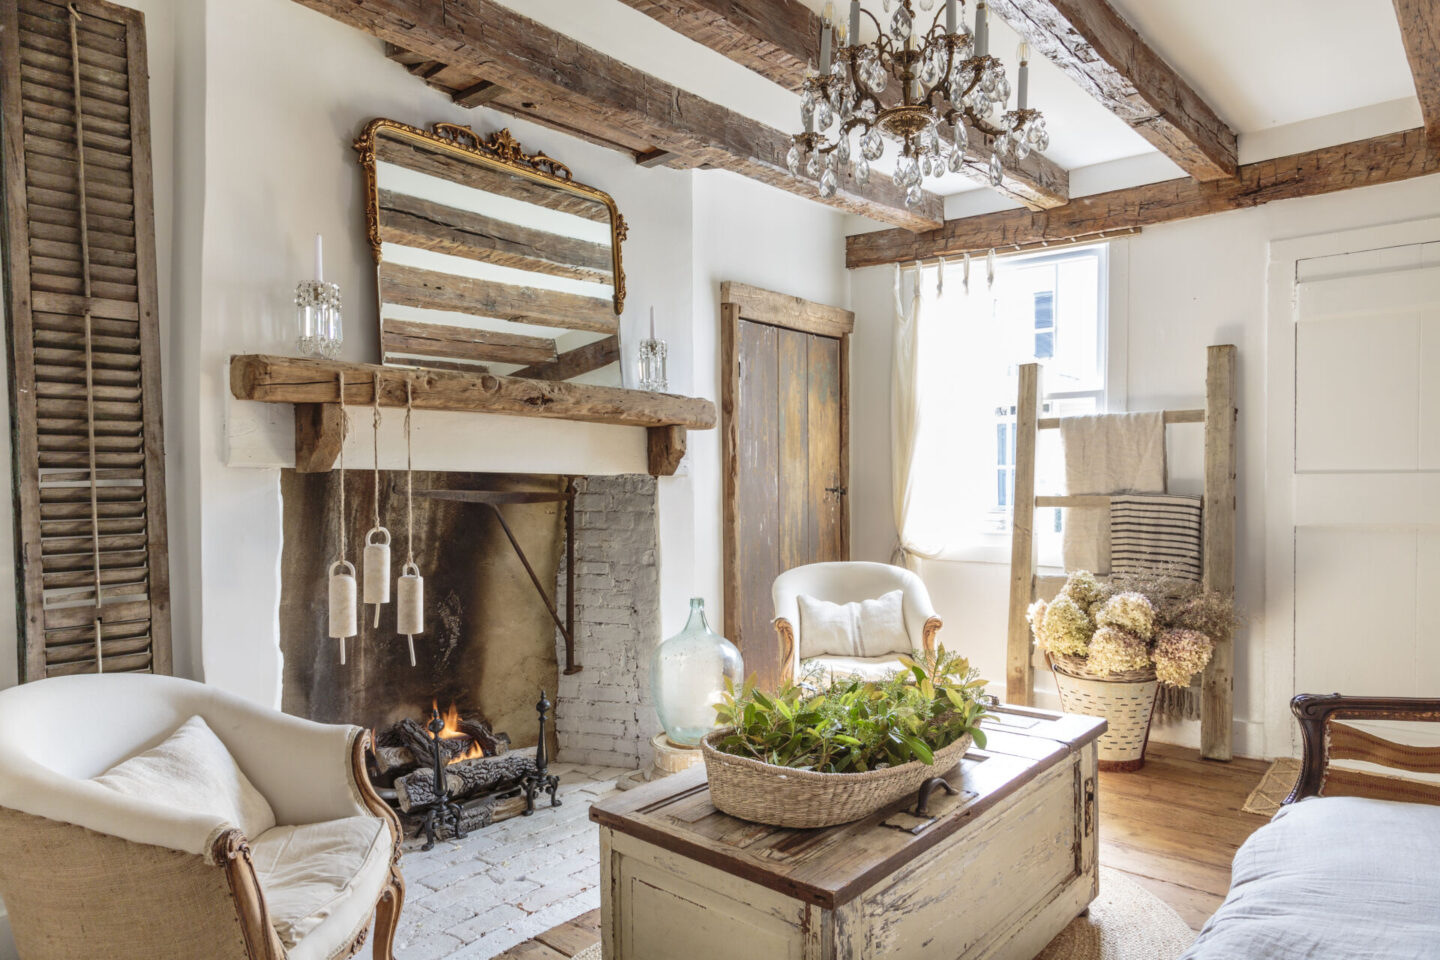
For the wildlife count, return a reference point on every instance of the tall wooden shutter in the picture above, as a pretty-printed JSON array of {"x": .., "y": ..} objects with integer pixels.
[{"x": 83, "y": 337}]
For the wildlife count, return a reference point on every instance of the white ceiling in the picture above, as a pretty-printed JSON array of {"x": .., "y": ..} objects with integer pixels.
[
  {"x": 1265, "y": 64},
  {"x": 1261, "y": 66}
]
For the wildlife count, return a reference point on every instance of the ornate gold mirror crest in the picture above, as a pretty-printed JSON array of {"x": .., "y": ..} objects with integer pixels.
[{"x": 488, "y": 258}]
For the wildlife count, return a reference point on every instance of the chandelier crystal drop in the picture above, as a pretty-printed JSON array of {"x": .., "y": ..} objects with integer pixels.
[{"x": 924, "y": 89}]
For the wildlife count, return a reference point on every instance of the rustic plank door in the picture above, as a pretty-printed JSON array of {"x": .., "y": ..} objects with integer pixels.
[
  {"x": 84, "y": 339},
  {"x": 785, "y": 401}
]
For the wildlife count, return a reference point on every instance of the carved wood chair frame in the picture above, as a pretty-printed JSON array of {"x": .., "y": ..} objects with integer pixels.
[{"x": 232, "y": 850}]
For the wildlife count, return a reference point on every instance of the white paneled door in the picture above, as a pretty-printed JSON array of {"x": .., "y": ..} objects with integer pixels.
[{"x": 1365, "y": 475}]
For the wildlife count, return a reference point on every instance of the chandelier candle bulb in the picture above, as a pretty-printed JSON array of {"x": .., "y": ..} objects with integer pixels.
[{"x": 1022, "y": 87}]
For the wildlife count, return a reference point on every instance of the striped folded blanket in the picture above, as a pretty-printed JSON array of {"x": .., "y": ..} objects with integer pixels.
[{"x": 1152, "y": 533}]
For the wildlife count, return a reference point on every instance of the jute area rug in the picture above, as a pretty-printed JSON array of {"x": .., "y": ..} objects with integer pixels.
[
  {"x": 1275, "y": 785},
  {"x": 1126, "y": 922}
]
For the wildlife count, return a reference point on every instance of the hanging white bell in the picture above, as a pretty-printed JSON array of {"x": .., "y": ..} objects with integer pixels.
[
  {"x": 376, "y": 564},
  {"x": 342, "y": 603},
  {"x": 410, "y": 605}
]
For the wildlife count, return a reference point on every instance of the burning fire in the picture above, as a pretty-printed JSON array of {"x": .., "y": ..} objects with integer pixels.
[{"x": 452, "y": 731}]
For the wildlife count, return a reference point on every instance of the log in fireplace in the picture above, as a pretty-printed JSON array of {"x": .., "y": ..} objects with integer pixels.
[{"x": 454, "y": 775}]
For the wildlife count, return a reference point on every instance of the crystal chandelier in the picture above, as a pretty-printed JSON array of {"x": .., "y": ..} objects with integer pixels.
[{"x": 944, "y": 81}]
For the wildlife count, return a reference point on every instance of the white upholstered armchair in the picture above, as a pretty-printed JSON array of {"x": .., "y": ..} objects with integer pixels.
[
  {"x": 844, "y": 583},
  {"x": 86, "y": 871}
]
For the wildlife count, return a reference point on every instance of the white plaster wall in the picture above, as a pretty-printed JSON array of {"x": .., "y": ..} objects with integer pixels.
[{"x": 1191, "y": 284}]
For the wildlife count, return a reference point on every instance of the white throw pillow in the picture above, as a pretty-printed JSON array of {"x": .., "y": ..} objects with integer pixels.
[
  {"x": 864, "y": 628},
  {"x": 192, "y": 771}
]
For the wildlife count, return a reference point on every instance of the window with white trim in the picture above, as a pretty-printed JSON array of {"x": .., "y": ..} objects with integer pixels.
[{"x": 1047, "y": 308}]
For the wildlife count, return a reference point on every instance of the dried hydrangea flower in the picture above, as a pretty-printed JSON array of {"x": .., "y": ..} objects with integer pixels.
[
  {"x": 1117, "y": 651},
  {"x": 1035, "y": 616},
  {"x": 1179, "y": 655},
  {"x": 1130, "y": 612},
  {"x": 1084, "y": 589},
  {"x": 1066, "y": 629}
]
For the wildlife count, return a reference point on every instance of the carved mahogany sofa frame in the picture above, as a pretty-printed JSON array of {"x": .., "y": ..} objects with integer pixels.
[{"x": 1326, "y": 739}]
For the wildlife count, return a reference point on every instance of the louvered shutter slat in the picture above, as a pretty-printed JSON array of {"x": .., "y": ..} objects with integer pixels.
[{"x": 84, "y": 348}]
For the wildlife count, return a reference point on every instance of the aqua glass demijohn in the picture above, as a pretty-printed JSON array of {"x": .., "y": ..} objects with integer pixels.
[{"x": 688, "y": 676}]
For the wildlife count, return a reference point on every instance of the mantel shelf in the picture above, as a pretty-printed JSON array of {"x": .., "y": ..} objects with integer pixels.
[{"x": 314, "y": 385}]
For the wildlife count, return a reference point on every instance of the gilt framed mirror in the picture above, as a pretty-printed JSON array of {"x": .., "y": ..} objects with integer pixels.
[{"x": 489, "y": 259}]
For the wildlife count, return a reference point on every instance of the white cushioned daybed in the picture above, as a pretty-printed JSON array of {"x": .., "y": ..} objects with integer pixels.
[{"x": 1342, "y": 877}]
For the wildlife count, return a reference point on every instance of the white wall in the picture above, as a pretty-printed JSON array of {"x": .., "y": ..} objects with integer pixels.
[{"x": 1191, "y": 284}]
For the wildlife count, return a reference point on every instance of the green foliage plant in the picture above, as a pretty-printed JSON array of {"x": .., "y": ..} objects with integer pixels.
[{"x": 850, "y": 725}]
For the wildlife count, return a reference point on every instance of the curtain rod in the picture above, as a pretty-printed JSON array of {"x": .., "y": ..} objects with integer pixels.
[{"x": 1014, "y": 249}]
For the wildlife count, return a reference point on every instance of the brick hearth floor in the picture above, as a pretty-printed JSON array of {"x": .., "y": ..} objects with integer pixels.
[{"x": 475, "y": 898}]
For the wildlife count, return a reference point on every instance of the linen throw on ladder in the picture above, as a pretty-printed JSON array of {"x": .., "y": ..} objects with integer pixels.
[
  {"x": 1155, "y": 534},
  {"x": 1107, "y": 454}
]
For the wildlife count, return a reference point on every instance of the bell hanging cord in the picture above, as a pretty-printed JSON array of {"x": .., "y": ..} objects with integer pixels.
[
  {"x": 410, "y": 591},
  {"x": 342, "y": 571},
  {"x": 376, "y": 562}
]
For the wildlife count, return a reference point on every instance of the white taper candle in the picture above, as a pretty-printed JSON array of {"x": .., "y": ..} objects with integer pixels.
[
  {"x": 982, "y": 30},
  {"x": 1022, "y": 88},
  {"x": 951, "y": 21},
  {"x": 319, "y": 259},
  {"x": 855, "y": 22}
]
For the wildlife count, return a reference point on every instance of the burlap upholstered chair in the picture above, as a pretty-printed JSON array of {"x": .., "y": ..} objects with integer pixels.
[
  {"x": 87, "y": 872},
  {"x": 847, "y": 582}
]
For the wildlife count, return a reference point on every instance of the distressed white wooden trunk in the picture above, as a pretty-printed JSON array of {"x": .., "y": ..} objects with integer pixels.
[{"x": 1003, "y": 867}]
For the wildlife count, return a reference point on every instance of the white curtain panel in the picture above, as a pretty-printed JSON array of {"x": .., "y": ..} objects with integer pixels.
[
  {"x": 952, "y": 366},
  {"x": 905, "y": 411}
]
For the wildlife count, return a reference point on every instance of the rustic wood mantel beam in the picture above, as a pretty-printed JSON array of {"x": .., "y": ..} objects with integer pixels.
[
  {"x": 314, "y": 387},
  {"x": 1420, "y": 29},
  {"x": 1101, "y": 52},
  {"x": 1363, "y": 163},
  {"x": 778, "y": 39},
  {"x": 556, "y": 80}
]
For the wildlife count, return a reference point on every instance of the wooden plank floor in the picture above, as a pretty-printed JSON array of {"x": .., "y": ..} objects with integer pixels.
[{"x": 1173, "y": 826}]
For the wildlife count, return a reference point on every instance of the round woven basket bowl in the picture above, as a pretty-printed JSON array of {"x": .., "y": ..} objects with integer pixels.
[
  {"x": 785, "y": 797},
  {"x": 1125, "y": 700}
]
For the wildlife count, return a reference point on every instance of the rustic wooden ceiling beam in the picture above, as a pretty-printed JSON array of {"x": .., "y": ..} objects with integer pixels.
[
  {"x": 577, "y": 86},
  {"x": 778, "y": 39},
  {"x": 1363, "y": 163},
  {"x": 1101, "y": 52},
  {"x": 477, "y": 94},
  {"x": 1420, "y": 29}
]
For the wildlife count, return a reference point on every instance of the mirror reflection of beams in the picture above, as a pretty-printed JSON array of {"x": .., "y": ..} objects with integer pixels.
[{"x": 493, "y": 266}]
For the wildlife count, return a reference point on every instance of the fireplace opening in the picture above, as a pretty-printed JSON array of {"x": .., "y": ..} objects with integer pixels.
[
  {"x": 489, "y": 641},
  {"x": 525, "y": 574},
  {"x": 454, "y": 775}
]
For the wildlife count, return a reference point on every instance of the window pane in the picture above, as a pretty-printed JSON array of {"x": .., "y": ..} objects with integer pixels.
[
  {"x": 1044, "y": 345},
  {"x": 1045, "y": 310}
]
